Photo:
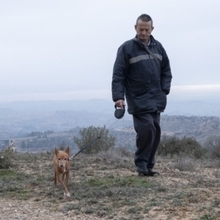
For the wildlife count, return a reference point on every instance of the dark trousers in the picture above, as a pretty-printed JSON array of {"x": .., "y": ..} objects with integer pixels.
[{"x": 147, "y": 127}]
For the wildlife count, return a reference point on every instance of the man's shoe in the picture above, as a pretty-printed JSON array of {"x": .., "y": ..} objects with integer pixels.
[
  {"x": 142, "y": 171},
  {"x": 146, "y": 172},
  {"x": 152, "y": 173}
]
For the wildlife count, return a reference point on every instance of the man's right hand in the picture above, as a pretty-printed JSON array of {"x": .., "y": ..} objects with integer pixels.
[{"x": 120, "y": 103}]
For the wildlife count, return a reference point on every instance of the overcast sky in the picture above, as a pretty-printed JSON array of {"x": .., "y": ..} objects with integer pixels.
[{"x": 65, "y": 50}]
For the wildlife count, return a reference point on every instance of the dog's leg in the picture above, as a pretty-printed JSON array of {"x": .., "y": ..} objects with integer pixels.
[
  {"x": 67, "y": 179},
  {"x": 55, "y": 179},
  {"x": 66, "y": 182},
  {"x": 63, "y": 176},
  {"x": 66, "y": 192}
]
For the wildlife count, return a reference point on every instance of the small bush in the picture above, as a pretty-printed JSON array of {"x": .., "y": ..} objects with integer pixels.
[
  {"x": 94, "y": 140},
  {"x": 213, "y": 147},
  {"x": 180, "y": 146},
  {"x": 6, "y": 158},
  {"x": 186, "y": 164}
]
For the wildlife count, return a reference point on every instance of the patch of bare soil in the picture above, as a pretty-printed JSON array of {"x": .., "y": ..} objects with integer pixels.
[{"x": 106, "y": 186}]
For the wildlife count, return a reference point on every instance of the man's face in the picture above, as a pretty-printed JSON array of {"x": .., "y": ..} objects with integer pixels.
[{"x": 143, "y": 30}]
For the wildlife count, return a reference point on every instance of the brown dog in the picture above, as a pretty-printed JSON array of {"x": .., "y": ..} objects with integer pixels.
[{"x": 61, "y": 163}]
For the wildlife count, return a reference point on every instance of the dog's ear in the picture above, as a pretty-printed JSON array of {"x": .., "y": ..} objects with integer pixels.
[
  {"x": 56, "y": 151},
  {"x": 67, "y": 150}
]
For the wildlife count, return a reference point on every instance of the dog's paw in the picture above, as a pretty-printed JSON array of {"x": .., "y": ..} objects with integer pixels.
[{"x": 67, "y": 195}]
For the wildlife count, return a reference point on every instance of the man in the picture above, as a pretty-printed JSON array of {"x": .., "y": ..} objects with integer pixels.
[{"x": 142, "y": 74}]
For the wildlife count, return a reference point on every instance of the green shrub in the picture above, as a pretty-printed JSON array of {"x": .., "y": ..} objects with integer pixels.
[
  {"x": 94, "y": 139},
  {"x": 6, "y": 158},
  {"x": 213, "y": 147},
  {"x": 186, "y": 164},
  {"x": 180, "y": 146}
]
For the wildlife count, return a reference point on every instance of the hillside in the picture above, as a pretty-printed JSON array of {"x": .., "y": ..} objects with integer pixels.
[
  {"x": 57, "y": 122},
  {"x": 106, "y": 186}
]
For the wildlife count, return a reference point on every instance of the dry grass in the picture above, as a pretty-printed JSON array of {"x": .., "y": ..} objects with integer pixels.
[{"x": 106, "y": 186}]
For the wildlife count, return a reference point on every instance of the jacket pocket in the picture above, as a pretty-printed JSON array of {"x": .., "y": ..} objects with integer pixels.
[
  {"x": 161, "y": 101},
  {"x": 139, "y": 89}
]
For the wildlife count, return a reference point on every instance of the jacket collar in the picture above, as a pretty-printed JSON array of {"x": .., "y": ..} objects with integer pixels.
[{"x": 152, "y": 41}]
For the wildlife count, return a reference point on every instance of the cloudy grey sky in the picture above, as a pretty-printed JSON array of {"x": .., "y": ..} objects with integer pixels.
[{"x": 65, "y": 50}]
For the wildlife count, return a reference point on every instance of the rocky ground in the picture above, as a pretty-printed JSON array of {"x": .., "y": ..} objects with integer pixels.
[{"x": 106, "y": 186}]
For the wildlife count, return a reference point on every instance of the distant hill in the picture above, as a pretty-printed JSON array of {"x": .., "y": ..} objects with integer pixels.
[
  {"x": 174, "y": 107},
  {"x": 199, "y": 119},
  {"x": 209, "y": 107}
]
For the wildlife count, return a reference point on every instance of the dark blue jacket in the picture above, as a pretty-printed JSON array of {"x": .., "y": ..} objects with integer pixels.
[{"x": 144, "y": 79}]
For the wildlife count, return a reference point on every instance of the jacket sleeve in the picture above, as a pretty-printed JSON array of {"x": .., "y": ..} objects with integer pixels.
[
  {"x": 166, "y": 75},
  {"x": 119, "y": 72}
]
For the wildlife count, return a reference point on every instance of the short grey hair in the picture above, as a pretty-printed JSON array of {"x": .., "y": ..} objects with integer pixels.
[{"x": 145, "y": 17}]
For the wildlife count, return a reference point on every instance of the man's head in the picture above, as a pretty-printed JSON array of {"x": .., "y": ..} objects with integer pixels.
[{"x": 144, "y": 27}]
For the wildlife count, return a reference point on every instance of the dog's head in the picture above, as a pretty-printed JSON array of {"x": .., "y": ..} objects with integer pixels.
[{"x": 62, "y": 157}]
